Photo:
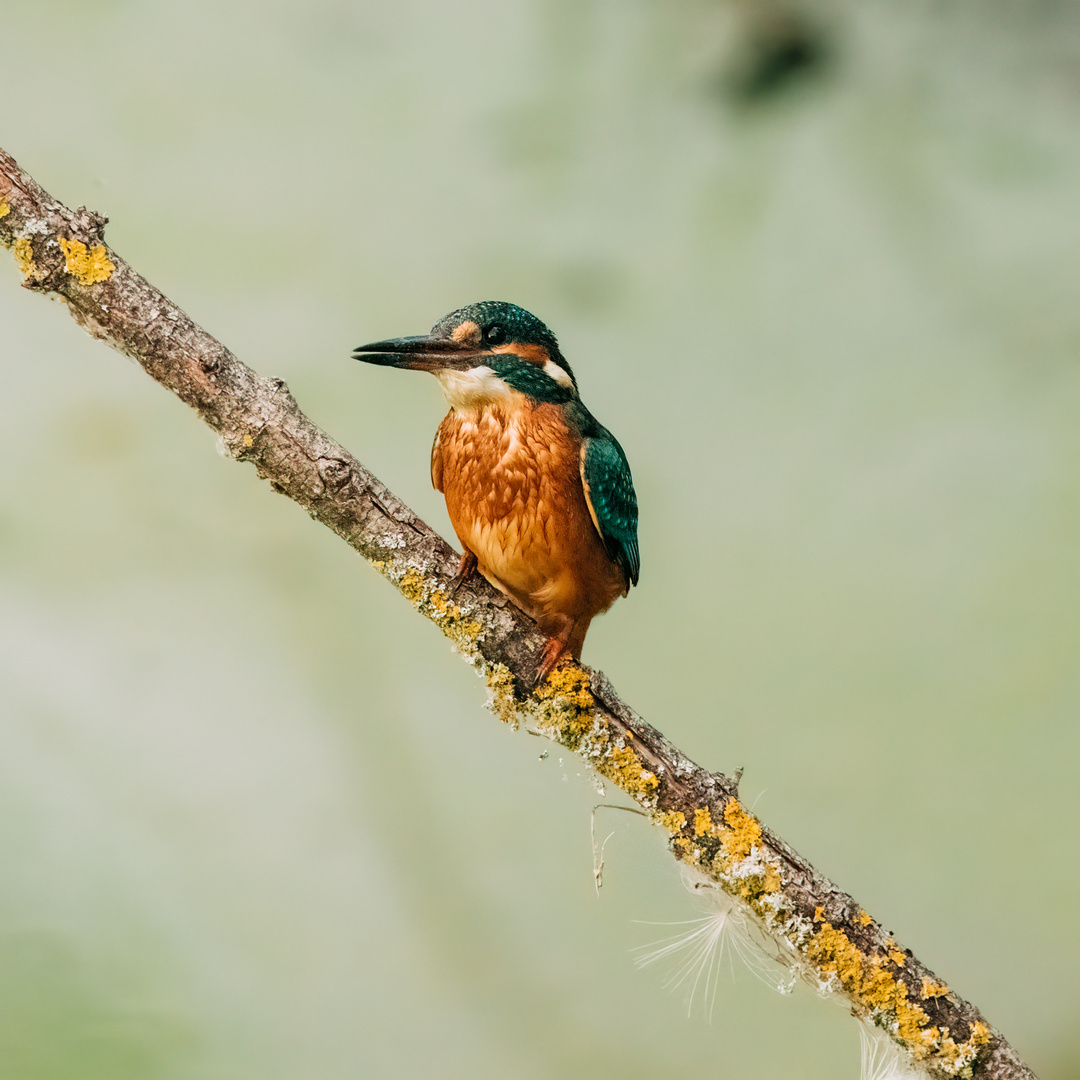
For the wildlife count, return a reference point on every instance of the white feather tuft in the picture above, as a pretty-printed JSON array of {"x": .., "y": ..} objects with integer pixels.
[
  {"x": 881, "y": 1059},
  {"x": 700, "y": 949}
]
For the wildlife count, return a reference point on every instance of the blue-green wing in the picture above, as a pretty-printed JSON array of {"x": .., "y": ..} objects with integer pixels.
[{"x": 609, "y": 491}]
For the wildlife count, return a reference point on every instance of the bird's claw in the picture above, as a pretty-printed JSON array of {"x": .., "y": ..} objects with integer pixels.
[{"x": 466, "y": 569}]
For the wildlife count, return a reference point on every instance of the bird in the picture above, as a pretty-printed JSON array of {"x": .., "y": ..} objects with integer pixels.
[{"x": 538, "y": 491}]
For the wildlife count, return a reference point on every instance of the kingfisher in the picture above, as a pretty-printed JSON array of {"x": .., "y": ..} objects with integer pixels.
[{"x": 538, "y": 491}]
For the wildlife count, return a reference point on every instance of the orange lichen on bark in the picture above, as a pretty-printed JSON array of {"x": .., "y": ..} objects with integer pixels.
[
  {"x": 672, "y": 820},
  {"x": 87, "y": 265},
  {"x": 931, "y": 989},
  {"x": 571, "y": 683},
  {"x": 568, "y": 708},
  {"x": 868, "y": 982},
  {"x": 738, "y": 836},
  {"x": 743, "y": 831},
  {"x": 621, "y": 767},
  {"x": 873, "y": 986}
]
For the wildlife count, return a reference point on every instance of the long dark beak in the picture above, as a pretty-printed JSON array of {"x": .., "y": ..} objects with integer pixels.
[{"x": 423, "y": 353}]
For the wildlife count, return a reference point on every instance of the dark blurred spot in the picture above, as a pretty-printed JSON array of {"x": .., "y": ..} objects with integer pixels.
[{"x": 782, "y": 51}]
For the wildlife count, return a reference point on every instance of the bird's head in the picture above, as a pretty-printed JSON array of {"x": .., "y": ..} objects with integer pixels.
[{"x": 482, "y": 353}]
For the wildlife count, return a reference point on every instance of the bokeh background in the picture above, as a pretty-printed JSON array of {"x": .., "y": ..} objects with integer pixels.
[{"x": 817, "y": 267}]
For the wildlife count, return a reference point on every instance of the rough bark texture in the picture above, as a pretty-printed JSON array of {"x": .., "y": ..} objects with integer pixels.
[{"x": 822, "y": 933}]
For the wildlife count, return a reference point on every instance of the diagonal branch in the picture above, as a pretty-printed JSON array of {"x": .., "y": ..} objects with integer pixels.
[{"x": 822, "y": 932}]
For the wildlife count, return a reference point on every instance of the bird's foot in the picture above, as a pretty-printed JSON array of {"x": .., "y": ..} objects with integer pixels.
[
  {"x": 466, "y": 569},
  {"x": 552, "y": 653},
  {"x": 556, "y": 648}
]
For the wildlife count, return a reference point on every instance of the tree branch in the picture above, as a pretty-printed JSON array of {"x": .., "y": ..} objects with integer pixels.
[{"x": 822, "y": 932}]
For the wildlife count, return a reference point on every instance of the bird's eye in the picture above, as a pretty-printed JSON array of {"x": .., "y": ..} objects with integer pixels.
[{"x": 495, "y": 334}]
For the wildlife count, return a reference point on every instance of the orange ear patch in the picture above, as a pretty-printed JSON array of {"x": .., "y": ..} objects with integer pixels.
[
  {"x": 468, "y": 333},
  {"x": 535, "y": 354}
]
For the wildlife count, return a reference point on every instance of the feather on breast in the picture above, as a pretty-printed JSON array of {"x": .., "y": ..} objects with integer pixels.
[{"x": 511, "y": 475}]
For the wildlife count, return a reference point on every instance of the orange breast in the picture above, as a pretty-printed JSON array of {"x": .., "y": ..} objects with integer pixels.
[{"x": 512, "y": 480}]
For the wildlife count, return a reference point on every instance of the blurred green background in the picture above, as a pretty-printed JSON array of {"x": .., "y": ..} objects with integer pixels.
[{"x": 820, "y": 272}]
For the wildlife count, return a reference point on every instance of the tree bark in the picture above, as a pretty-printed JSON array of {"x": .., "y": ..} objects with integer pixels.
[{"x": 821, "y": 932}]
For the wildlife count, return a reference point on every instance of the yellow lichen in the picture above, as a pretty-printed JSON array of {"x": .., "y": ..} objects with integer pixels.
[
  {"x": 961, "y": 1055},
  {"x": 672, "y": 820},
  {"x": 87, "y": 266},
  {"x": 819, "y": 914},
  {"x": 864, "y": 919},
  {"x": 744, "y": 831},
  {"x": 931, "y": 989},
  {"x": 431, "y": 600},
  {"x": 772, "y": 880},
  {"x": 739, "y": 836},
  {"x": 621, "y": 767},
  {"x": 752, "y": 887},
  {"x": 703, "y": 822},
  {"x": 567, "y": 709},
  {"x": 869, "y": 983},
  {"x": 4, "y": 209},
  {"x": 684, "y": 849},
  {"x": 24, "y": 255},
  {"x": 571, "y": 683}
]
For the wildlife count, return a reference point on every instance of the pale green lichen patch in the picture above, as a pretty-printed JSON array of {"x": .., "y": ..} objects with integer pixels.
[
  {"x": 464, "y": 632},
  {"x": 24, "y": 255},
  {"x": 432, "y": 601},
  {"x": 87, "y": 265},
  {"x": 501, "y": 699}
]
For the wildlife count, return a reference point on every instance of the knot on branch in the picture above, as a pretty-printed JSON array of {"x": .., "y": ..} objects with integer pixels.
[
  {"x": 336, "y": 474},
  {"x": 88, "y": 225}
]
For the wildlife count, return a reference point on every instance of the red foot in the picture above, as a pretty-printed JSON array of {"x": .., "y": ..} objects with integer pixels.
[
  {"x": 466, "y": 569},
  {"x": 552, "y": 653}
]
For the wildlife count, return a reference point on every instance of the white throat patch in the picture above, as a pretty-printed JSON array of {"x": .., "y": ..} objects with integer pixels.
[{"x": 472, "y": 388}]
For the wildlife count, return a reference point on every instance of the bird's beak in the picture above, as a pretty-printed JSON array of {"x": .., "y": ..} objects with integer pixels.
[{"x": 423, "y": 353}]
